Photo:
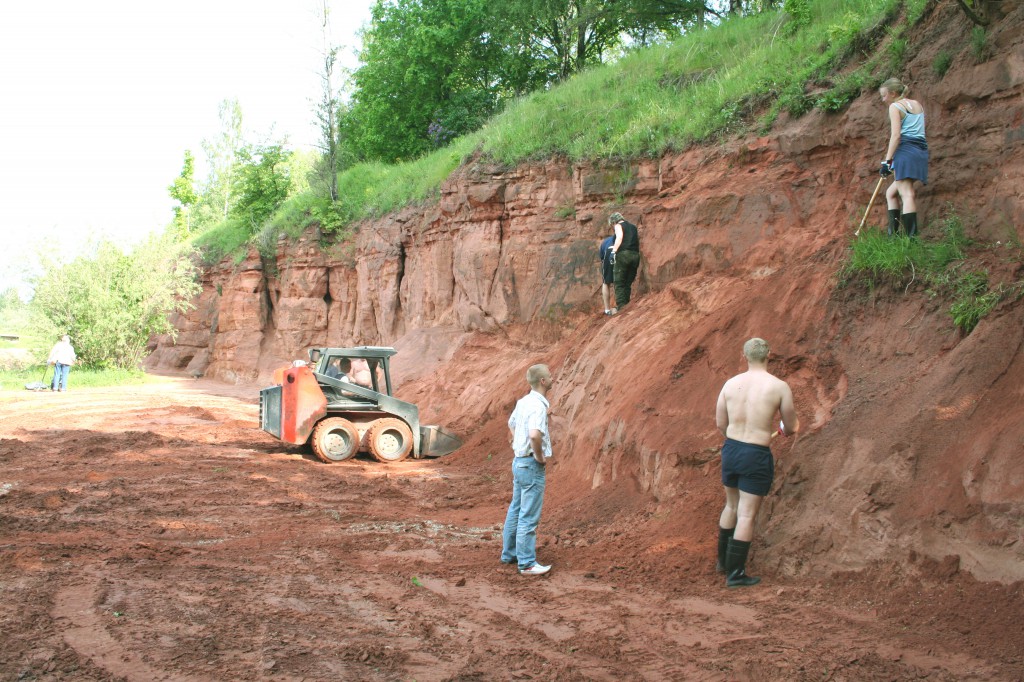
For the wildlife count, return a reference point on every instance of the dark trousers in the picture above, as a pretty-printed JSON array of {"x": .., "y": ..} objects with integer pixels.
[{"x": 626, "y": 264}]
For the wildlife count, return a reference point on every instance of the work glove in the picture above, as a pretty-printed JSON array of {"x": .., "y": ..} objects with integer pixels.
[{"x": 885, "y": 170}]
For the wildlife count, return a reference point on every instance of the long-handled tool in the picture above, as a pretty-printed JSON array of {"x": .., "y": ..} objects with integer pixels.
[{"x": 870, "y": 204}]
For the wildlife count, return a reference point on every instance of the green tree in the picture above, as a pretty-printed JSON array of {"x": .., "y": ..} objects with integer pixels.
[
  {"x": 222, "y": 159},
  {"x": 112, "y": 302},
  {"x": 565, "y": 36},
  {"x": 327, "y": 110},
  {"x": 261, "y": 183},
  {"x": 184, "y": 192},
  {"x": 425, "y": 62}
]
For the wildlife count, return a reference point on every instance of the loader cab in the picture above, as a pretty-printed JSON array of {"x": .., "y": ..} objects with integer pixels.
[{"x": 370, "y": 366}]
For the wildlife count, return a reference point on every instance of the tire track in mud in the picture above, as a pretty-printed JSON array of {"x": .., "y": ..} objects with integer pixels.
[{"x": 83, "y": 629}]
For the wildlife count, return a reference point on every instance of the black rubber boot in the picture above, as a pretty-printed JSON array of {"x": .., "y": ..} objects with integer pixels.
[
  {"x": 735, "y": 565},
  {"x": 894, "y": 221},
  {"x": 724, "y": 535},
  {"x": 910, "y": 224}
]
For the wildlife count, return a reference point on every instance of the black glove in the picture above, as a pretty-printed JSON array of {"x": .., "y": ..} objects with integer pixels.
[{"x": 885, "y": 170}]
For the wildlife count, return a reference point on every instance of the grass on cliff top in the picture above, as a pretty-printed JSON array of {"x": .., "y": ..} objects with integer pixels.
[
  {"x": 736, "y": 76},
  {"x": 658, "y": 99}
]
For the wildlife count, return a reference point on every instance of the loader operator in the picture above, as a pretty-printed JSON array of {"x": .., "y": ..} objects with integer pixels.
[{"x": 339, "y": 369}]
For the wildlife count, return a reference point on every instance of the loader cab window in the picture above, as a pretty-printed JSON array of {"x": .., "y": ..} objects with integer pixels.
[{"x": 339, "y": 368}]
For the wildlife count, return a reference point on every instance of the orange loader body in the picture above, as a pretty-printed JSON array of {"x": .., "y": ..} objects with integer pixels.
[{"x": 303, "y": 404}]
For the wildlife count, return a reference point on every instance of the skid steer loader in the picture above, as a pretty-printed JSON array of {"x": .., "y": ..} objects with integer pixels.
[{"x": 318, "y": 402}]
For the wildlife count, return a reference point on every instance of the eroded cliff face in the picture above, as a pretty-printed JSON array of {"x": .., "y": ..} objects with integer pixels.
[{"x": 912, "y": 444}]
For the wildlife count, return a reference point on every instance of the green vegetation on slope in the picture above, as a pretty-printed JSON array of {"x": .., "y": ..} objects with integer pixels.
[
  {"x": 938, "y": 264},
  {"x": 731, "y": 77},
  {"x": 735, "y": 76}
]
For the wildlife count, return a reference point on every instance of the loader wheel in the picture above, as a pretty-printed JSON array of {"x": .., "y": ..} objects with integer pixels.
[
  {"x": 389, "y": 440},
  {"x": 335, "y": 439}
]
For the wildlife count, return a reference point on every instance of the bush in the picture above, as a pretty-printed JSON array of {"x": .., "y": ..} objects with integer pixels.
[
  {"x": 943, "y": 60},
  {"x": 980, "y": 47}
]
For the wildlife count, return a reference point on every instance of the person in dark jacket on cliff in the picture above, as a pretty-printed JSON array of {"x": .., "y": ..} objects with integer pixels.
[
  {"x": 607, "y": 272},
  {"x": 906, "y": 156},
  {"x": 625, "y": 257},
  {"x": 745, "y": 414}
]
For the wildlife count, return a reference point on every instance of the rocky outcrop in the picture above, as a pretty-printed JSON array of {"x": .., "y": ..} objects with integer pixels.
[{"x": 908, "y": 443}]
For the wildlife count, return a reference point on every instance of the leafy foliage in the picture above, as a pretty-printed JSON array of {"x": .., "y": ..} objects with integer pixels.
[
  {"x": 111, "y": 303},
  {"x": 424, "y": 61},
  {"x": 261, "y": 182},
  {"x": 183, "y": 191},
  {"x": 799, "y": 12}
]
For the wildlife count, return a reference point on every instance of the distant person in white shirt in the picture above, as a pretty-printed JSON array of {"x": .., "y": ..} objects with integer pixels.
[
  {"x": 61, "y": 357},
  {"x": 531, "y": 445}
]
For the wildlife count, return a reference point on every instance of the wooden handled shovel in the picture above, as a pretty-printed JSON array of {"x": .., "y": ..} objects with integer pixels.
[{"x": 870, "y": 204}]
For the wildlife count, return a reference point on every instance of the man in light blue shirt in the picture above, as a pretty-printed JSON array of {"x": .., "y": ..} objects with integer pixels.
[{"x": 531, "y": 444}]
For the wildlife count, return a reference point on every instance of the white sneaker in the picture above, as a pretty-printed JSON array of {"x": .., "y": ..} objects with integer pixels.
[{"x": 536, "y": 569}]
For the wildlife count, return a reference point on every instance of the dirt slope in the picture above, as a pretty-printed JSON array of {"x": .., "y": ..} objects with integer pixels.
[
  {"x": 154, "y": 533},
  {"x": 912, "y": 445}
]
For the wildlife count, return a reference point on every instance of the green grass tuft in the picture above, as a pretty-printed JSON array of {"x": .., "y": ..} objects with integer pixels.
[{"x": 876, "y": 258}]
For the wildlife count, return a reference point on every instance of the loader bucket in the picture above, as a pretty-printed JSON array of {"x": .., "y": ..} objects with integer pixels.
[{"x": 436, "y": 441}]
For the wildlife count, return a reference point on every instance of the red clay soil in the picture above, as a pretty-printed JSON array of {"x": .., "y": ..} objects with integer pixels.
[{"x": 155, "y": 533}]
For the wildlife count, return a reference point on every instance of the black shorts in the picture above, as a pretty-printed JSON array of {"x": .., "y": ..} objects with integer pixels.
[
  {"x": 607, "y": 271},
  {"x": 748, "y": 467}
]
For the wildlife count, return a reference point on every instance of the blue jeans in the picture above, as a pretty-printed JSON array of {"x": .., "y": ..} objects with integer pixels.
[
  {"x": 519, "y": 538},
  {"x": 60, "y": 377}
]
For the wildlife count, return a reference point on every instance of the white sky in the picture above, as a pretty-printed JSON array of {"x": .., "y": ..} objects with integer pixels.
[{"x": 99, "y": 101}]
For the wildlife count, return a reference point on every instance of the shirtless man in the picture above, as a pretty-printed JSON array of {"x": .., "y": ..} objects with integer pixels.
[
  {"x": 360, "y": 374},
  {"x": 745, "y": 414}
]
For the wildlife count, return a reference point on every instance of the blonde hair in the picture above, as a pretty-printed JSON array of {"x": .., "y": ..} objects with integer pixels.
[
  {"x": 895, "y": 85},
  {"x": 535, "y": 374},
  {"x": 756, "y": 350}
]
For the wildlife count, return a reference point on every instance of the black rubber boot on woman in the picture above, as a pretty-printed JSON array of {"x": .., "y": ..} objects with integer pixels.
[
  {"x": 910, "y": 224},
  {"x": 894, "y": 221},
  {"x": 736, "y": 563}
]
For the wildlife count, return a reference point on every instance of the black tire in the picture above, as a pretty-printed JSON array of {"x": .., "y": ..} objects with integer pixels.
[
  {"x": 335, "y": 439},
  {"x": 389, "y": 440}
]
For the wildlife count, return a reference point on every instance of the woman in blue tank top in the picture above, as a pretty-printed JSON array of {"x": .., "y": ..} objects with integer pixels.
[{"x": 906, "y": 155}]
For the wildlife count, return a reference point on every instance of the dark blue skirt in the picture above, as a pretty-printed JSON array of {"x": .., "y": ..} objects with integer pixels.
[{"x": 910, "y": 162}]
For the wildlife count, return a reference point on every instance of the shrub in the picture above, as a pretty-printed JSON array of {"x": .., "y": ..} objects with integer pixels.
[
  {"x": 980, "y": 47},
  {"x": 943, "y": 60}
]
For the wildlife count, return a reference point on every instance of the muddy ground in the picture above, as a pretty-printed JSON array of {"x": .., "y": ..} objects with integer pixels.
[{"x": 155, "y": 533}]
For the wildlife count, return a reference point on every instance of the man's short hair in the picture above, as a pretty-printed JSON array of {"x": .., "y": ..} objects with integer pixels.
[
  {"x": 615, "y": 218},
  {"x": 345, "y": 365},
  {"x": 535, "y": 374},
  {"x": 756, "y": 350}
]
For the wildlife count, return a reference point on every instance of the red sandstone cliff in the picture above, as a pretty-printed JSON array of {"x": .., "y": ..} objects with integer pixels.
[{"x": 913, "y": 444}]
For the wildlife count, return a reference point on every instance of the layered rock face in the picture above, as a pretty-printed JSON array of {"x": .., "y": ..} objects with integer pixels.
[{"x": 908, "y": 440}]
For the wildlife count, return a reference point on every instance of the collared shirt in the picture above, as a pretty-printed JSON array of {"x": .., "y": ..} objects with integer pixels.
[
  {"x": 531, "y": 413},
  {"x": 62, "y": 354}
]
